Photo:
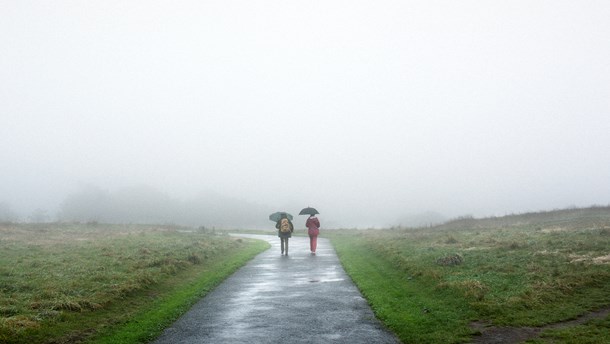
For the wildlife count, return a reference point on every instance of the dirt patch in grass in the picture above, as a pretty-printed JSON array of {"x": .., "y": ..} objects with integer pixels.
[
  {"x": 602, "y": 260},
  {"x": 575, "y": 258},
  {"x": 489, "y": 334},
  {"x": 553, "y": 230}
]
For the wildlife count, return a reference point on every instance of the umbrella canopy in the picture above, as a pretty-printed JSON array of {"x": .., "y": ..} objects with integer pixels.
[
  {"x": 275, "y": 217},
  {"x": 309, "y": 211}
]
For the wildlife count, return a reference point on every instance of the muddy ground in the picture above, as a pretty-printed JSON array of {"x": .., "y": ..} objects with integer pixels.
[{"x": 505, "y": 335}]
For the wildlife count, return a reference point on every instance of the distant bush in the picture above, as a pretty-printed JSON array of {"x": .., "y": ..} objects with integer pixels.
[
  {"x": 450, "y": 260},
  {"x": 451, "y": 240}
]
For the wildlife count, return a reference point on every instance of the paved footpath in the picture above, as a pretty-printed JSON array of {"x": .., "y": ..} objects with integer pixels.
[{"x": 297, "y": 298}]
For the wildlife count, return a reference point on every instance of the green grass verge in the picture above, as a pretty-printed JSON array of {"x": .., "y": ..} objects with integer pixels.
[
  {"x": 409, "y": 306},
  {"x": 428, "y": 284},
  {"x": 150, "y": 322},
  {"x": 67, "y": 283}
]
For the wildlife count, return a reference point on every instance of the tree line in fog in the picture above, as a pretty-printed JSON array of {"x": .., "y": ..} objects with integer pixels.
[{"x": 145, "y": 204}]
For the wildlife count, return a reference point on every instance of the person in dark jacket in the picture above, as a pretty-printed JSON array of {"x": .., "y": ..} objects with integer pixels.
[
  {"x": 284, "y": 231},
  {"x": 313, "y": 229}
]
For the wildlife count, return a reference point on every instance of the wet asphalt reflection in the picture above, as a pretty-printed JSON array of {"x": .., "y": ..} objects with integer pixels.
[{"x": 297, "y": 298}]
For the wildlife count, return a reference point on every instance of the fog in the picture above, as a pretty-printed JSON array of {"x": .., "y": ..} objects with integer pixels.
[{"x": 377, "y": 113}]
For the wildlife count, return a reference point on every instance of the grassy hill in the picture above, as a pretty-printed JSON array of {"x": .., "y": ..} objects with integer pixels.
[
  {"x": 573, "y": 218},
  {"x": 431, "y": 285}
]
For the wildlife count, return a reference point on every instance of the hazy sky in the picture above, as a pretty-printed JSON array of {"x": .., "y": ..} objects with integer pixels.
[{"x": 368, "y": 110}]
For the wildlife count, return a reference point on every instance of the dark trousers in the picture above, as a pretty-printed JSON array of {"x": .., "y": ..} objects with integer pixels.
[{"x": 284, "y": 245}]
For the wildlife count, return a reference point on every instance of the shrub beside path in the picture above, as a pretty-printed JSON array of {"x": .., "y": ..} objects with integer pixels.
[{"x": 297, "y": 298}]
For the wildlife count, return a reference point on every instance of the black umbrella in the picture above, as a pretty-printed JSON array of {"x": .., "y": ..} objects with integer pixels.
[{"x": 309, "y": 211}]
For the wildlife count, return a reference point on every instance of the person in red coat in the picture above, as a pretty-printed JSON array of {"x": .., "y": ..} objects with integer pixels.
[{"x": 313, "y": 229}]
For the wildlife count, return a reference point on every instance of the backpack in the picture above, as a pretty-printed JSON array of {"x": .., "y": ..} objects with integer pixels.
[{"x": 284, "y": 226}]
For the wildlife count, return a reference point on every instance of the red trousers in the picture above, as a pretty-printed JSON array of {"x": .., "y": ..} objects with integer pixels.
[{"x": 313, "y": 238}]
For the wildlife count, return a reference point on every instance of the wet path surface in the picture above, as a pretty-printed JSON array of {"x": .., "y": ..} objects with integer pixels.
[{"x": 298, "y": 298}]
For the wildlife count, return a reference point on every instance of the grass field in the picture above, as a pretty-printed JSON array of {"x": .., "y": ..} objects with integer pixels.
[
  {"x": 64, "y": 283},
  {"x": 72, "y": 283},
  {"x": 429, "y": 284}
]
